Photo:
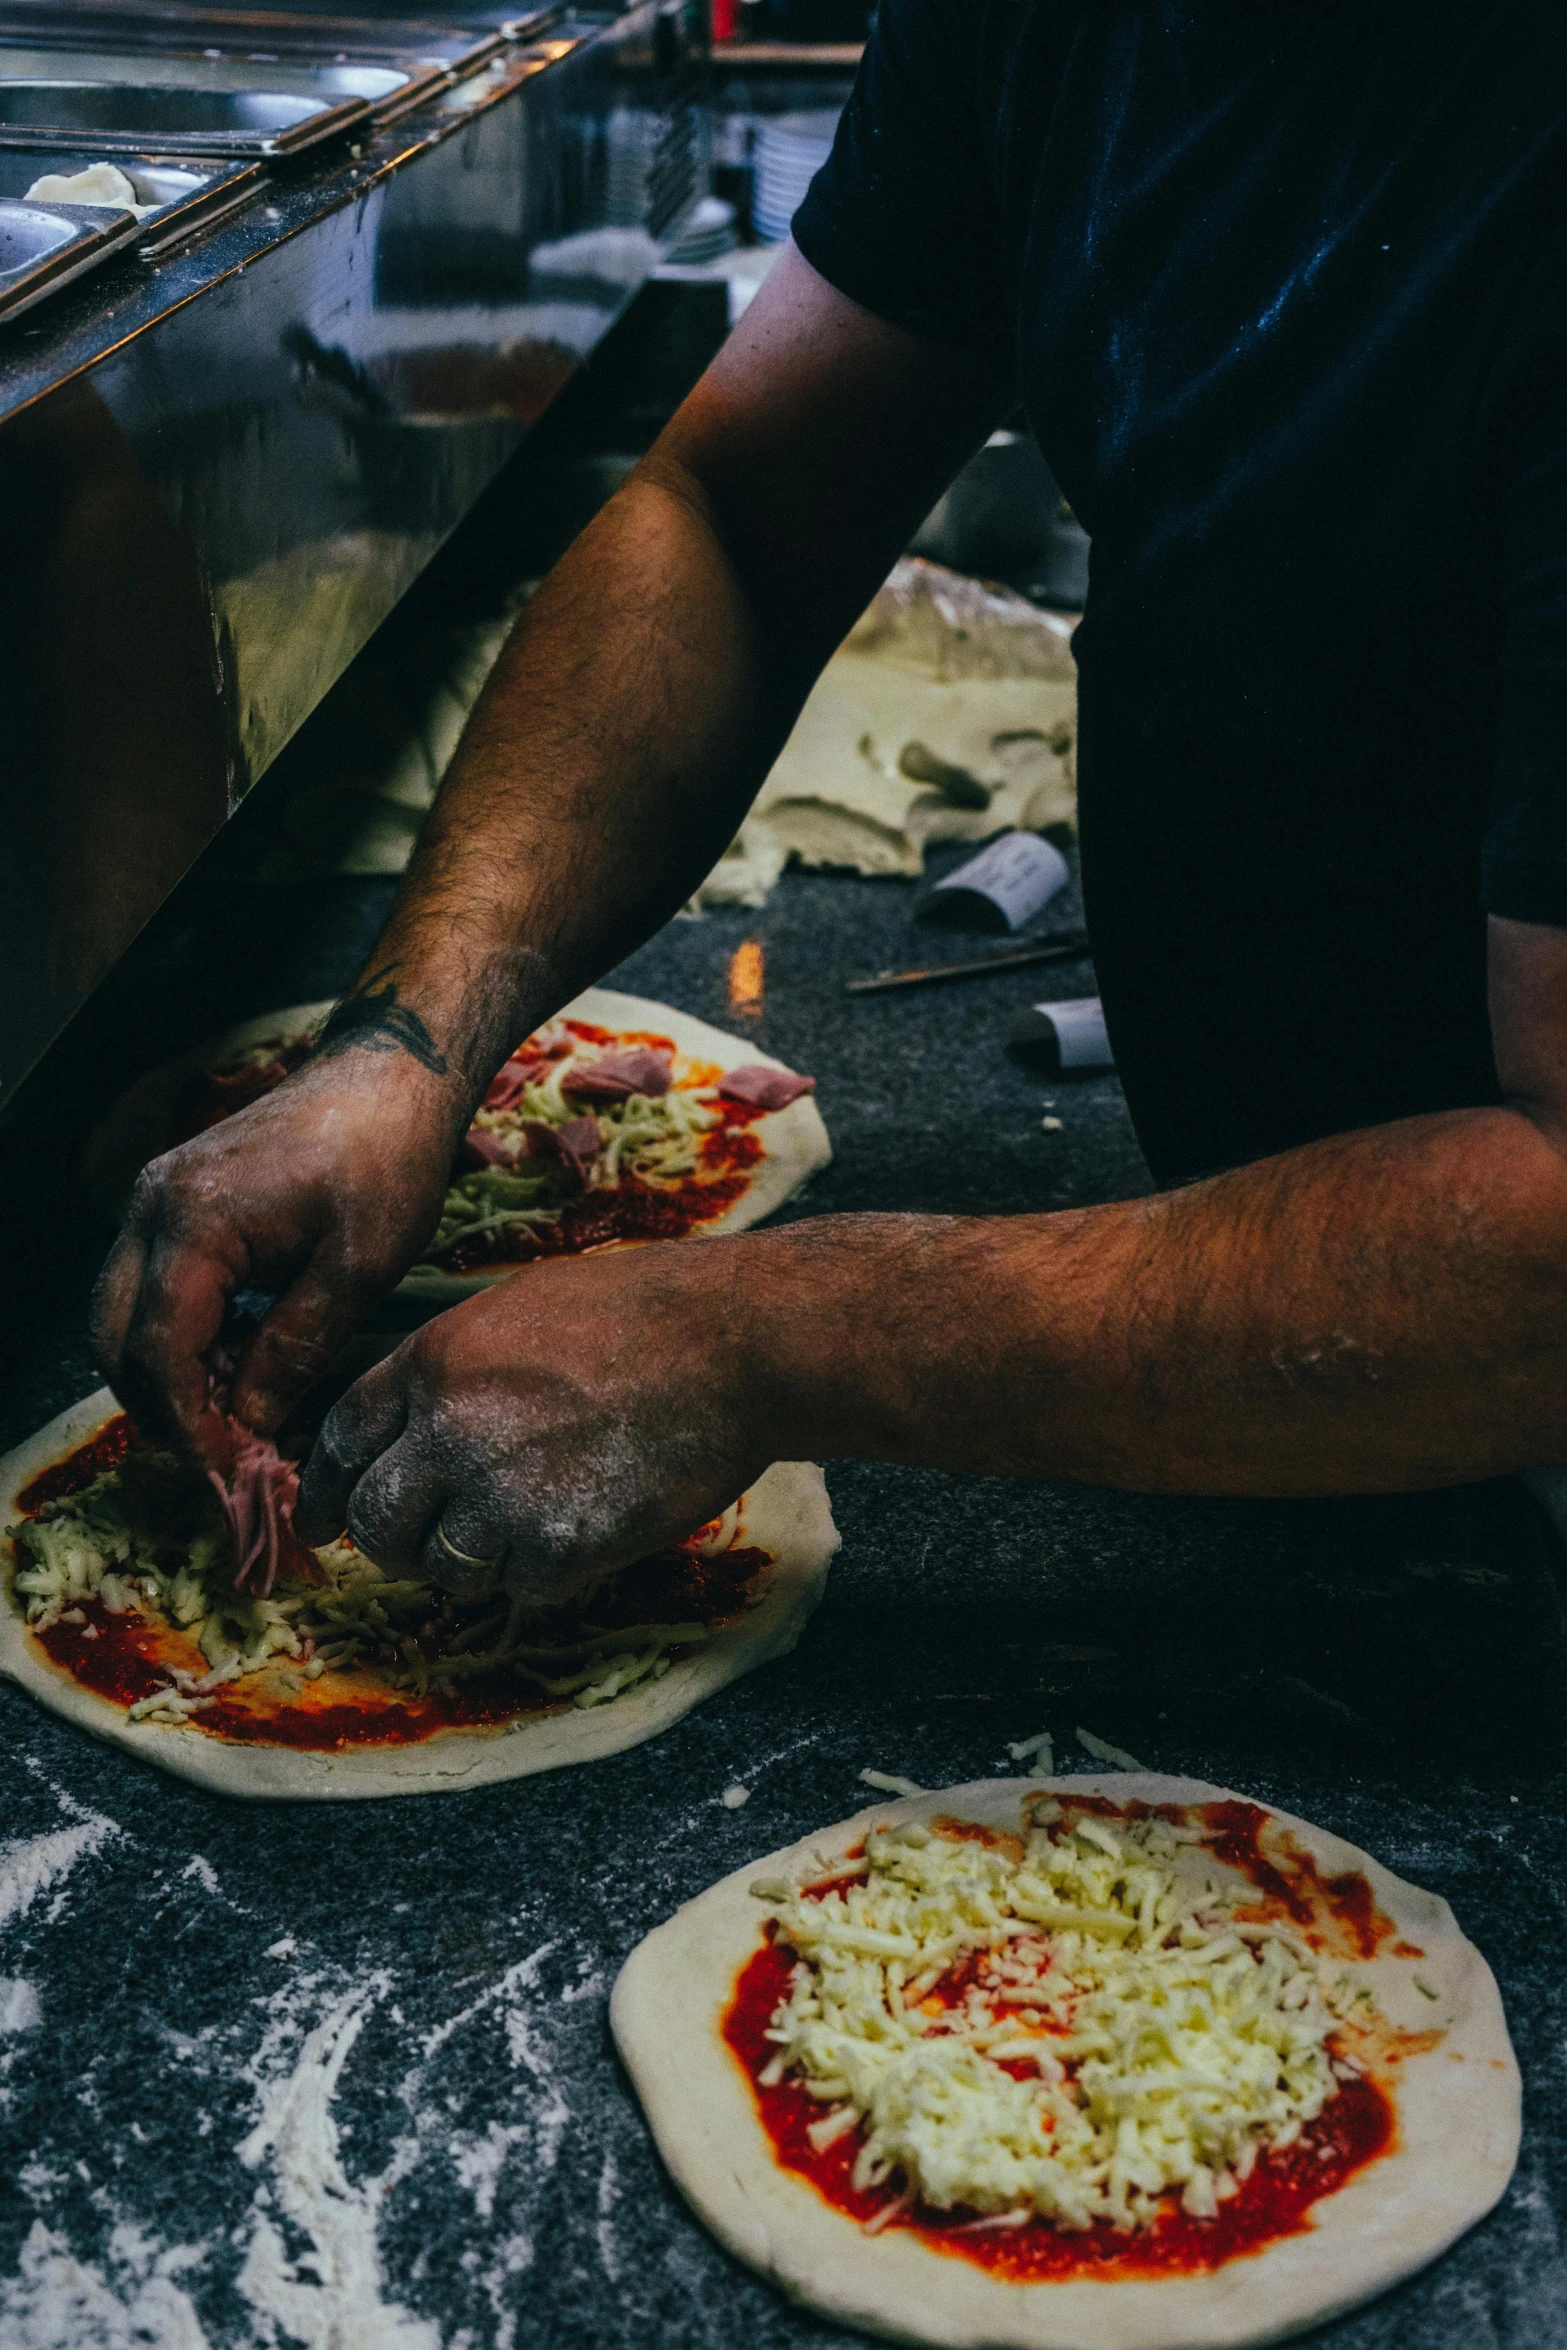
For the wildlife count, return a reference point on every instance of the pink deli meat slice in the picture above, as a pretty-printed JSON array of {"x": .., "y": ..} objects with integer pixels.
[
  {"x": 616, "y": 1076},
  {"x": 511, "y": 1078},
  {"x": 764, "y": 1088},
  {"x": 258, "y": 1497},
  {"x": 579, "y": 1139},
  {"x": 573, "y": 1146},
  {"x": 486, "y": 1149}
]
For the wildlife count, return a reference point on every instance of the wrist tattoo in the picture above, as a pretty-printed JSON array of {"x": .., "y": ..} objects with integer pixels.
[{"x": 373, "y": 1019}]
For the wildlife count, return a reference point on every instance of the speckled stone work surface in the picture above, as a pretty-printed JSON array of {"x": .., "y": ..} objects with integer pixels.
[{"x": 341, "y": 2076}]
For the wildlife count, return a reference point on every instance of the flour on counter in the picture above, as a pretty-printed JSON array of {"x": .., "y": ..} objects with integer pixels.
[
  {"x": 19, "y": 2007},
  {"x": 420, "y": 2234},
  {"x": 328, "y": 2298},
  {"x": 57, "y": 2302},
  {"x": 519, "y": 1977},
  {"x": 31, "y": 1865},
  {"x": 479, "y": 2162},
  {"x": 604, "y": 2226},
  {"x": 511, "y": 2259}
]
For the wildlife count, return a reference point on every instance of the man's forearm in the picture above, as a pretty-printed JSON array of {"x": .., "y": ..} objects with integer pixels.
[
  {"x": 625, "y": 729},
  {"x": 638, "y": 708},
  {"x": 1381, "y": 1311}
]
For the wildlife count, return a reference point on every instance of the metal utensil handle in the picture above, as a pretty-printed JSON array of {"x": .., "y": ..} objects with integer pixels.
[{"x": 1052, "y": 950}]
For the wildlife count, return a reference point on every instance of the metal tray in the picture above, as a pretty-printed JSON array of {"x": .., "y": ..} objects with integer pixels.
[
  {"x": 44, "y": 246},
  {"x": 187, "y": 192},
  {"x": 262, "y": 104},
  {"x": 327, "y": 66},
  {"x": 319, "y": 76},
  {"x": 118, "y": 118},
  {"x": 297, "y": 36}
]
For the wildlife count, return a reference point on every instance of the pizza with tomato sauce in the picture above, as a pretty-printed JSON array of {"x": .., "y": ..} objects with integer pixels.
[
  {"x": 620, "y": 1121},
  {"x": 1107, "y": 2063},
  {"x": 183, "y": 1619}
]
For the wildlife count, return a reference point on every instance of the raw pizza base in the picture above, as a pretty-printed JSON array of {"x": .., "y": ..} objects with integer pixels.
[
  {"x": 794, "y": 1139},
  {"x": 785, "y": 1512},
  {"x": 1458, "y": 2112}
]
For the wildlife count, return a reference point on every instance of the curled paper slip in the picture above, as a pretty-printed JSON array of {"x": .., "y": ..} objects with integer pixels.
[
  {"x": 1016, "y": 875},
  {"x": 1070, "y": 1035},
  {"x": 1080, "y": 1028}
]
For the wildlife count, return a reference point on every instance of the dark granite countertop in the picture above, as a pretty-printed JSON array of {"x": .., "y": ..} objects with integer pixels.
[{"x": 341, "y": 2075}]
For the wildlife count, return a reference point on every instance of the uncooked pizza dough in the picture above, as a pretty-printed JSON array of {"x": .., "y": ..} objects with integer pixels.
[
  {"x": 98, "y": 184},
  {"x": 794, "y": 1139},
  {"x": 941, "y": 672},
  {"x": 785, "y": 1513},
  {"x": 1457, "y": 2110},
  {"x": 975, "y": 674}
]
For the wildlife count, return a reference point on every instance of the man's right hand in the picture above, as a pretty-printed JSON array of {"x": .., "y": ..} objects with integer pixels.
[{"x": 322, "y": 1192}]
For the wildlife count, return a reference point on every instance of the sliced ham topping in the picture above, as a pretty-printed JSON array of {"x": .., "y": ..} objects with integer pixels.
[
  {"x": 258, "y": 1497},
  {"x": 764, "y": 1088},
  {"x": 573, "y": 1146},
  {"x": 616, "y": 1076},
  {"x": 579, "y": 1139},
  {"x": 512, "y": 1077},
  {"x": 481, "y": 1148}
]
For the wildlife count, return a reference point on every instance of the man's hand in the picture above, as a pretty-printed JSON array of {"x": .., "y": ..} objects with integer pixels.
[
  {"x": 324, "y": 1191},
  {"x": 570, "y": 1419}
]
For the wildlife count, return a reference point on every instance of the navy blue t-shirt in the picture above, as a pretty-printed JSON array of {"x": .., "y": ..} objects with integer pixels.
[{"x": 1284, "y": 285}]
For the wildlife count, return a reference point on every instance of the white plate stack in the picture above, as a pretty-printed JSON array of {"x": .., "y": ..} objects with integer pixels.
[
  {"x": 707, "y": 235},
  {"x": 790, "y": 150},
  {"x": 631, "y": 136}
]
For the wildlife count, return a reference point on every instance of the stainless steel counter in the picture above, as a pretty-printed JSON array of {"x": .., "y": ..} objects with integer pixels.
[{"x": 222, "y": 467}]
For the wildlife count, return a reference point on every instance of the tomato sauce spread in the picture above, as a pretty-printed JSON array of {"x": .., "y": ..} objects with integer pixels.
[
  {"x": 1335, "y": 1913},
  {"x": 79, "y": 1469},
  {"x": 1353, "y": 2129},
  {"x": 126, "y": 1657},
  {"x": 633, "y": 1210}
]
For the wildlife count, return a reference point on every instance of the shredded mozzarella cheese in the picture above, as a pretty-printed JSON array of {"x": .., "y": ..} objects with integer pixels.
[
  {"x": 1112, "y": 2037},
  {"x": 1101, "y": 1751}
]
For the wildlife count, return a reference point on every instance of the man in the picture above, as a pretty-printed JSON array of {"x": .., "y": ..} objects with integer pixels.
[{"x": 1282, "y": 289}]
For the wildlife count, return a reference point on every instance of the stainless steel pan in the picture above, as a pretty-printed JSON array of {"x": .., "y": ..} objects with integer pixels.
[
  {"x": 43, "y": 246},
  {"x": 186, "y": 192}
]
